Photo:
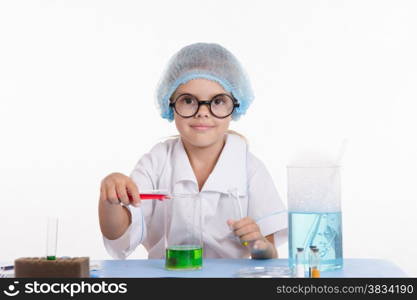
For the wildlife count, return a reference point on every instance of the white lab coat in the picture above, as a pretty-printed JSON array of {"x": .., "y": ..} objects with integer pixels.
[{"x": 166, "y": 167}]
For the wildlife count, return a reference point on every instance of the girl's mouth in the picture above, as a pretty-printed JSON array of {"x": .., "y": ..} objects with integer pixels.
[{"x": 201, "y": 127}]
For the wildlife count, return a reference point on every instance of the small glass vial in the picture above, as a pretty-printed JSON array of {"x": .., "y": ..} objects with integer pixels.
[
  {"x": 314, "y": 270},
  {"x": 299, "y": 263},
  {"x": 310, "y": 254}
]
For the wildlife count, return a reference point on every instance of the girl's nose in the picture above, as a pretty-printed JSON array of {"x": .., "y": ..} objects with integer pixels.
[{"x": 203, "y": 111}]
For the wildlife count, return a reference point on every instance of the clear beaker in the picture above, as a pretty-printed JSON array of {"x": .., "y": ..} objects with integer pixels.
[
  {"x": 183, "y": 232},
  {"x": 314, "y": 213}
]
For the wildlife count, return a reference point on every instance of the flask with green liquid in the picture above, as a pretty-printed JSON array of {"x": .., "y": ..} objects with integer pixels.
[{"x": 183, "y": 232}]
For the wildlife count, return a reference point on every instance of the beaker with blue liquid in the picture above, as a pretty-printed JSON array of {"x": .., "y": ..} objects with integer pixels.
[{"x": 314, "y": 214}]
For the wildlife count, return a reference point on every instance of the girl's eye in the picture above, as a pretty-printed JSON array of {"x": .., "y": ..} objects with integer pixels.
[
  {"x": 187, "y": 100},
  {"x": 219, "y": 100}
]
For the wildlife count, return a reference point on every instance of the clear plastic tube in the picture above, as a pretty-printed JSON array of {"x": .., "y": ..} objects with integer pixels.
[{"x": 51, "y": 238}]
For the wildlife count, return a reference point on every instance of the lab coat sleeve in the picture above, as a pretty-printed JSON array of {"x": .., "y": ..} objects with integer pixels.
[
  {"x": 144, "y": 177},
  {"x": 265, "y": 205},
  {"x": 123, "y": 246}
]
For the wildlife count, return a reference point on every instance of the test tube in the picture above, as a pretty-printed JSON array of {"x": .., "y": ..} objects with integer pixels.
[
  {"x": 238, "y": 208},
  {"x": 240, "y": 211},
  {"x": 51, "y": 238},
  {"x": 314, "y": 263},
  {"x": 299, "y": 263}
]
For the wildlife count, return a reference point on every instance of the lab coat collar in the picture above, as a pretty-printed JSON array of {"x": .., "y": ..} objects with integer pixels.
[{"x": 229, "y": 172}]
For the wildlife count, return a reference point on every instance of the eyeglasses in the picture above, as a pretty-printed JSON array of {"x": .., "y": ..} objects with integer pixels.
[{"x": 221, "y": 105}]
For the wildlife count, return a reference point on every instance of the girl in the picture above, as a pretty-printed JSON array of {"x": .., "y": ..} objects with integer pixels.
[{"x": 203, "y": 88}]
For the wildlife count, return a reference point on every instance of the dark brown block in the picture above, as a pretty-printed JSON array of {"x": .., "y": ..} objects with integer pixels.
[{"x": 76, "y": 267}]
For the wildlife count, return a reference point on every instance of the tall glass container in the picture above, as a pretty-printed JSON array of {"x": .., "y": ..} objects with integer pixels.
[
  {"x": 315, "y": 217},
  {"x": 183, "y": 232}
]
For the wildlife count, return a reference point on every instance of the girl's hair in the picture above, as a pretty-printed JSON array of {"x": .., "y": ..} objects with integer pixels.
[{"x": 238, "y": 134}]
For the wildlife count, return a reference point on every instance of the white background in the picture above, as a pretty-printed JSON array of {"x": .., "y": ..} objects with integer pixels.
[{"x": 77, "y": 81}]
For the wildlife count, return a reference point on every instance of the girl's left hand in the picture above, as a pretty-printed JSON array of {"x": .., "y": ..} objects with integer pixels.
[{"x": 248, "y": 231}]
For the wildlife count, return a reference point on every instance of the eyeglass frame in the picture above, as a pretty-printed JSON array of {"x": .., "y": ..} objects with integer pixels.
[{"x": 205, "y": 102}]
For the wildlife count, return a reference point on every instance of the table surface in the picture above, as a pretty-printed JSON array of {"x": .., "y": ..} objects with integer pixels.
[{"x": 229, "y": 267}]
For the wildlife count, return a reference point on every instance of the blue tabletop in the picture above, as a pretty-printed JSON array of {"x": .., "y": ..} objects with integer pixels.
[{"x": 229, "y": 267}]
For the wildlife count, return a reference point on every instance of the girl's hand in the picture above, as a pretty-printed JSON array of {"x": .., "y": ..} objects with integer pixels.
[
  {"x": 117, "y": 188},
  {"x": 248, "y": 231}
]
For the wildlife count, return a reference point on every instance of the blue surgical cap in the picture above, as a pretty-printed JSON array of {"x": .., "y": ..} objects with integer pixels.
[{"x": 207, "y": 61}]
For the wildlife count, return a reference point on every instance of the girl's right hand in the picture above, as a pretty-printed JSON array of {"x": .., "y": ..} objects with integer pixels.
[{"x": 117, "y": 188}]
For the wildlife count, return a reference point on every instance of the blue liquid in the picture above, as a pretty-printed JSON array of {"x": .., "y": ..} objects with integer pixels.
[{"x": 323, "y": 230}]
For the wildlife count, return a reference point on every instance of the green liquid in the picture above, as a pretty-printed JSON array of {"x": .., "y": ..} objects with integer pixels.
[
  {"x": 50, "y": 258},
  {"x": 184, "y": 257}
]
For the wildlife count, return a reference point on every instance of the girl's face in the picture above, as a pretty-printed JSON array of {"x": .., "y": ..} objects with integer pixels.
[{"x": 203, "y": 129}]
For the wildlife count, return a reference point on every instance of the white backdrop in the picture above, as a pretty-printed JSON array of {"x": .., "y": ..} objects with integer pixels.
[{"x": 77, "y": 82}]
